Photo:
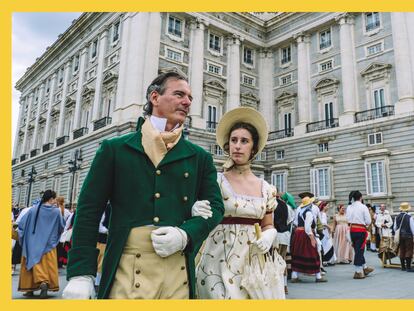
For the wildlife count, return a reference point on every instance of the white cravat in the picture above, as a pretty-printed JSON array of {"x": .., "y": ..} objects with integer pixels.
[{"x": 160, "y": 123}]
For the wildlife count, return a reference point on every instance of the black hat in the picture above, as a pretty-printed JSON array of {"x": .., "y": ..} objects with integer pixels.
[{"x": 306, "y": 194}]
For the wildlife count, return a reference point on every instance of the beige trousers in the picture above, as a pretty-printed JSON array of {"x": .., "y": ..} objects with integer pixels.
[{"x": 142, "y": 274}]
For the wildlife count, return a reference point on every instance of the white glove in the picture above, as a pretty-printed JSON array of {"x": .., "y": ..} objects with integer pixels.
[
  {"x": 265, "y": 242},
  {"x": 348, "y": 236},
  {"x": 202, "y": 208},
  {"x": 80, "y": 287},
  {"x": 168, "y": 240}
]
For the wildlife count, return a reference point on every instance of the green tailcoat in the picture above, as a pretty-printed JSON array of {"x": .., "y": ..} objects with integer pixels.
[{"x": 122, "y": 173}]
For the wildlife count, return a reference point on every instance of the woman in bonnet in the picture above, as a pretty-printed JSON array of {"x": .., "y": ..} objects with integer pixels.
[{"x": 242, "y": 134}]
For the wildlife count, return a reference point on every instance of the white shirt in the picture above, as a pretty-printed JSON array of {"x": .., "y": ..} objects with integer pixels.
[
  {"x": 357, "y": 213},
  {"x": 308, "y": 220}
]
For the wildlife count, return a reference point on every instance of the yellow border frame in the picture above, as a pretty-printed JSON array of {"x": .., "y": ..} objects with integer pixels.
[{"x": 7, "y": 7}]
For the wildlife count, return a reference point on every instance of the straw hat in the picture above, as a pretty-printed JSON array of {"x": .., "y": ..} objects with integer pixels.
[
  {"x": 246, "y": 115},
  {"x": 306, "y": 201},
  {"x": 405, "y": 206}
]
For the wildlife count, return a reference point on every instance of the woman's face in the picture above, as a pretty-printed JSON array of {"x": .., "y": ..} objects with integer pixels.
[
  {"x": 342, "y": 210},
  {"x": 240, "y": 146}
]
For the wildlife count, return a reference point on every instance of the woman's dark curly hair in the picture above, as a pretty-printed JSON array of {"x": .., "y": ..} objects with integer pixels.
[{"x": 251, "y": 129}]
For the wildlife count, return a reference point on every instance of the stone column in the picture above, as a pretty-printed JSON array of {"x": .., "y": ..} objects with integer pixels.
[
  {"x": 403, "y": 56},
  {"x": 152, "y": 52},
  {"x": 304, "y": 90},
  {"x": 39, "y": 104},
  {"x": 26, "y": 128},
  {"x": 138, "y": 54},
  {"x": 196, "y": 64},
  {"x": 61, "y": 123},
  {"x": 19, "y": 124},
  {"x": 266, "y": 65},
  {"x": 348, "y": 69},
  {"x": 82, "y": 67},
  {"x": 409, "y": 18},
  {"x": 233, "y": 72},
  {"x": 97, "y": 99},
  {"x": 49, "y": 108}
]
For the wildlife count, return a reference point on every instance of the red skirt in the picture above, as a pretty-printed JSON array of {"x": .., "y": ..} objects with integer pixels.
[{"x": 305, "y": 257}]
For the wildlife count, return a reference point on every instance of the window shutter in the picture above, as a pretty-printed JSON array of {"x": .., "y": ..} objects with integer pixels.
[{"x": 368, "y": 178}]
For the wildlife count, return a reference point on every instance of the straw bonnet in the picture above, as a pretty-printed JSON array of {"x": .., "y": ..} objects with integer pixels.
[
  {"x": 246, "y": 115},
  {"x": 306, "y": 201},
  {"x": 405, "y": 206}
]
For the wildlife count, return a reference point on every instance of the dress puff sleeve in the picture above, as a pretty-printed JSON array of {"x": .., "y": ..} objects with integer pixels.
[{"x": 270, "y": 192}]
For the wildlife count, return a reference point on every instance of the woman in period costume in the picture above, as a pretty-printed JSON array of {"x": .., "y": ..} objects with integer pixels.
[
  {"x": 405, "y": 222},
  {"x": 328, "y": 253},
  {"x": 343, "y": 249},
  {"x": 304, "y": 249},
  {"x": 39, "y": 232},
  {"x": 242, "y": 133}
]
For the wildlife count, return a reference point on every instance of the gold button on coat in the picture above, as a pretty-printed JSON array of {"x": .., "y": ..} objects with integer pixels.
[
  {"x": 138, "y": 271},
  {"x": 156, "y": 219},
  {"x": 157, "y": 195},
  {"x": 137, "y": 285},
  {"x": 185, "y": 199},
  {"x": 186, "y": 175},
  {"x": 138, "y": 255},
  {"x": 158, "y": 172}
]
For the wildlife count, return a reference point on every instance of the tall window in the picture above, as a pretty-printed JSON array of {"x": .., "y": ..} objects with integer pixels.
[
  {"x": 94, "y": 49},
  {"x": 115, "y": 32},
  {"x": 212, "y": 118},
  {"x": 279, "y": 180},
  {"x": 329, "y": 117},
  {"x": 248, "y": 56},
  {"x": 372, "y": 21},
  {"x": 215, "y": 43},
  {"x": 76, "y": 63},
  {"x": 286, "y": 55},
  {"x": 287, "y": 120},
  {"x": 375, "y": 177},
  {"x": 321, "y": 182},
  {"x": 175, "y": 26},
  {"x": 379, "y": 99},
  {"x": 325, "y": 39}
]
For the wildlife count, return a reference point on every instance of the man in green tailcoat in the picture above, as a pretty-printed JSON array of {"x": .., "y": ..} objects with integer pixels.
[{"x": 153, "y": 178}]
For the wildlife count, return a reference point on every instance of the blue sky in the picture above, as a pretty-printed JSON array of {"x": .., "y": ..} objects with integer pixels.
[{"x": 31, "y": 34}]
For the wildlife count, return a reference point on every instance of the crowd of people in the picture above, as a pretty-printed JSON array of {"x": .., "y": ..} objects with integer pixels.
[{"x": 153, "y": 202}]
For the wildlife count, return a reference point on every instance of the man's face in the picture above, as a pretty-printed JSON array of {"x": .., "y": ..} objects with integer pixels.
[
  {"x": 382, "y": 207},
  {"x": 174, "y": 104}
]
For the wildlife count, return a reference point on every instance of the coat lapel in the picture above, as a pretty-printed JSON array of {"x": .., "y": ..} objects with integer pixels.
[{"x": 135, "y": 142}]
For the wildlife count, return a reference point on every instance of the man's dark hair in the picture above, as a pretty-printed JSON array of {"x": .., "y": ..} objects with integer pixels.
[
  {"x": 158, "y": 85},
  {"x": 251, "y": 129}
]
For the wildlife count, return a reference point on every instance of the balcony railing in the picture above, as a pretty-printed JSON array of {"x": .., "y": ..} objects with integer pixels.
[
  {"x": 80, "y": 132},
  {"x": 322, "y": 125},
  {"x": 47, "y": 147},
  {"x": 23, "y": 157},
  {"x": 211, "y": 126},
  {"x": 101, "y": 123},
  {"x": 375, "y": 113},
  {"x": 61, "y": 140},
  {"x": 280, "y": 134},
  {"x": 34, "y": 152},
  {"x": 14, "y": 161}
]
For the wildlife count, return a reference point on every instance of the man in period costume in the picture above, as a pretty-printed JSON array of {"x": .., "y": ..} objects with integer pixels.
[
  {"x": 384, "y": 224},
  {"x": 152, "y": 178},
  {"x": 405, "y": 222},
  {"x": 359, "y": 219}
]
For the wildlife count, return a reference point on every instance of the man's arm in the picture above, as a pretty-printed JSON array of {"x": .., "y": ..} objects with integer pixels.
[
  {"x": 198, "y": 228},
  {"x": 92, "y": 201}
]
